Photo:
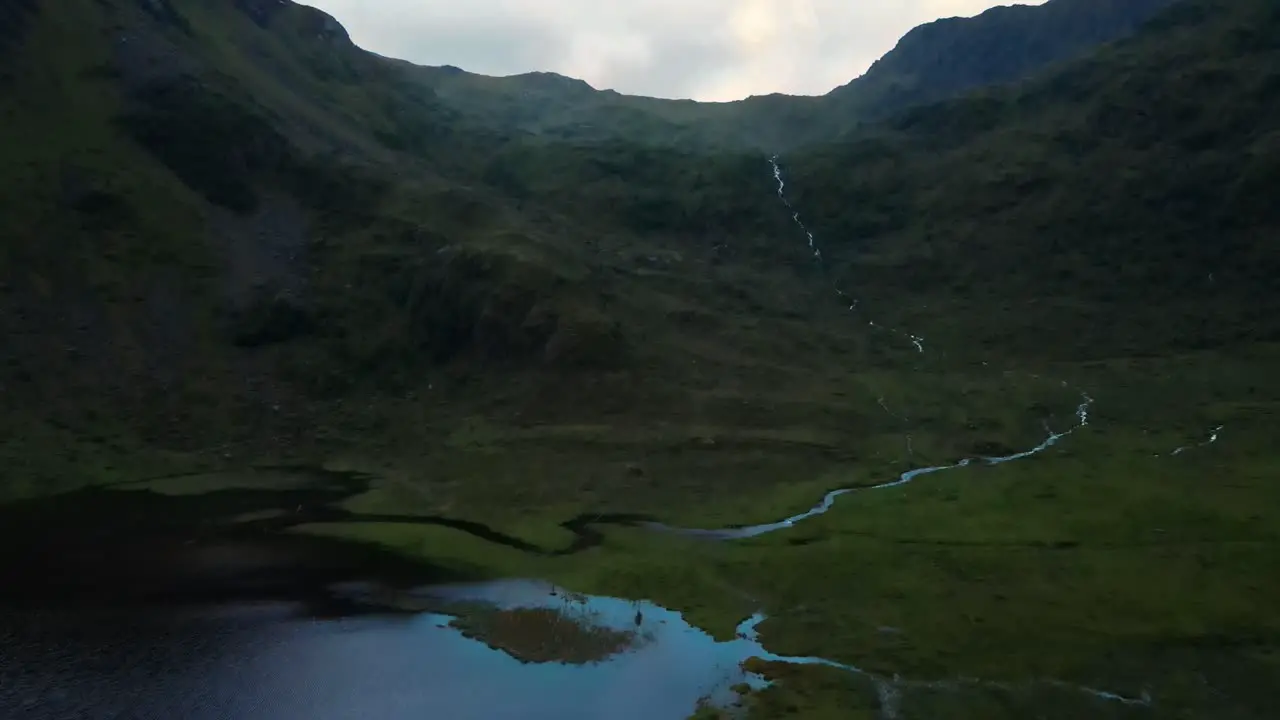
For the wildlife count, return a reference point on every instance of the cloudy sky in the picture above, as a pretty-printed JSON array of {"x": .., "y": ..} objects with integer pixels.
[{"x": 703, "y": 49}]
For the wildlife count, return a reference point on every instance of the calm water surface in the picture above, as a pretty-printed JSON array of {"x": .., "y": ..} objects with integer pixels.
[{"x": 272, "y": 660}]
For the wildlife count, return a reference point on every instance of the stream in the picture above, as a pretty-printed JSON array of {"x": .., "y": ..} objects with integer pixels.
[
  {"x": 829, "y": 500},
  {"x": 1213, "y": 438},
  {"x": 916, "y": 340}
]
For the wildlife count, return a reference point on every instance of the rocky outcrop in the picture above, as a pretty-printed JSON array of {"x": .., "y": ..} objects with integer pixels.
[
  {"x": 272, "y": 318},
  {"x": 262, "y": 12},
  {"x": 213, "y": 143},
  {"x": 285, "y": 15},
  {"x": 482, "y": 304},
  {"x": 585, "y": 339},
  {"x": 948, "y": 57},
  {"x": 163, "y": 12},
  {"x": 491, "y": 307}
]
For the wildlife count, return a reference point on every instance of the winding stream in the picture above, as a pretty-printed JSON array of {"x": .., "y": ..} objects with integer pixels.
[
  {"x": 1213, "y": 438},
  {"x": 829, "y": 500}
]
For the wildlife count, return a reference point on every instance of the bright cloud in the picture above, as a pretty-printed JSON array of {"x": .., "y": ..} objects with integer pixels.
[{"x": 704, "y": 49}]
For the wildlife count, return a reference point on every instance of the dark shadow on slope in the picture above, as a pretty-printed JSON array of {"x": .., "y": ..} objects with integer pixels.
[{"x": 111, "y": 544}]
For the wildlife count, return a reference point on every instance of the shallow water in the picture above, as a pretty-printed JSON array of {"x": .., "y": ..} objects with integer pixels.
[{"x": 271, "y": 660}]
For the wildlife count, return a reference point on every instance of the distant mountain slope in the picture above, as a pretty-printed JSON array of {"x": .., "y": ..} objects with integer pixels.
[
  {"x": 1119, "y": 204},
  {"x": 933, "y": 62},
  {"x": 1122, "y": 203},
  {"x": 947, "y": 57}
]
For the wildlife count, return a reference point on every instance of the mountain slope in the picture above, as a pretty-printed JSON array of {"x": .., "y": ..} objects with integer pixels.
[
  {"x": 260, "y": 228},
  {"x": 1133, "y": 184},
  {"x": 933, "y": 62},
  {"x": 1005, "y": 44},
  {"x": 257, "y": 223}
]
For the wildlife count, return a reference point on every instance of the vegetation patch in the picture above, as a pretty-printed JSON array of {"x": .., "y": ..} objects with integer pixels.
[
  {"x": 543, "y": 635},
  {"x": 214, "y": 144}
]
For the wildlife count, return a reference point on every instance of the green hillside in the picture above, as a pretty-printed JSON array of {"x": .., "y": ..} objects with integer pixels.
[
  {"x": 1135, "y": 183},
  {"x": 256, "y": 222},
  {"x": 231, "y": 239}
]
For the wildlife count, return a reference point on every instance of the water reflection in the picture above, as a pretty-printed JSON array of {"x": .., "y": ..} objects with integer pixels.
[{"x": 271, "y": 660}]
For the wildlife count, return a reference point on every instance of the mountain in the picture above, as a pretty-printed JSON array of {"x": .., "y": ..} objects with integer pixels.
[
  {"x": 1137, "y": 178},
  {"x": 934, "y": 62},
  {"x": 948, "y": 57},
  {"x": 225, "y": 222},
  {"x": 256, "y": 222},
  {"x": 238, "y": 252}
]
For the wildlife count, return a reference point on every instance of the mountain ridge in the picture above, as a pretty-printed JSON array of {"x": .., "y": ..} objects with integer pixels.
[
  {"x": 932, "y": 62},
  {"x": 1004, "y": 44}
]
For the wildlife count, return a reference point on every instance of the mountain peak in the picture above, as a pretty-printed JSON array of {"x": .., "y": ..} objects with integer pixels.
[
  {"x": 304, "y": 19},
  {"x": 947, "y": 57},
  {"x": 550, "y": 80}
]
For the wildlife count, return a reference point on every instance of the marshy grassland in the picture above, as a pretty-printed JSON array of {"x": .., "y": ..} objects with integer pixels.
[{"x": 1087, "y": 564}]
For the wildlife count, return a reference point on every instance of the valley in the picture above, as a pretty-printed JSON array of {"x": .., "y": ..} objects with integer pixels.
[{"x": 965, "y": 399}]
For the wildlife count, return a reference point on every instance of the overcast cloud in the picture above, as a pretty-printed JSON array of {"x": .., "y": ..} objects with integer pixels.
[{"x": 703, "y": 49}]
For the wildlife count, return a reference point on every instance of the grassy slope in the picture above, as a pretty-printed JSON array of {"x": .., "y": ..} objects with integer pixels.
[
  {"x": 287, "y": 298},
  {"x": 1114, "y": 183},
  {"x": 90, "y": 226}
]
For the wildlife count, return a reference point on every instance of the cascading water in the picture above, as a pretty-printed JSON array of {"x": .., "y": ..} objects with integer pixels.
[
  {"x": 795, "y": 214},
  {"x": 813, "y": 242},
  {"x": 849, "y": 299},
  {"x": 1213, "y": 438}
]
